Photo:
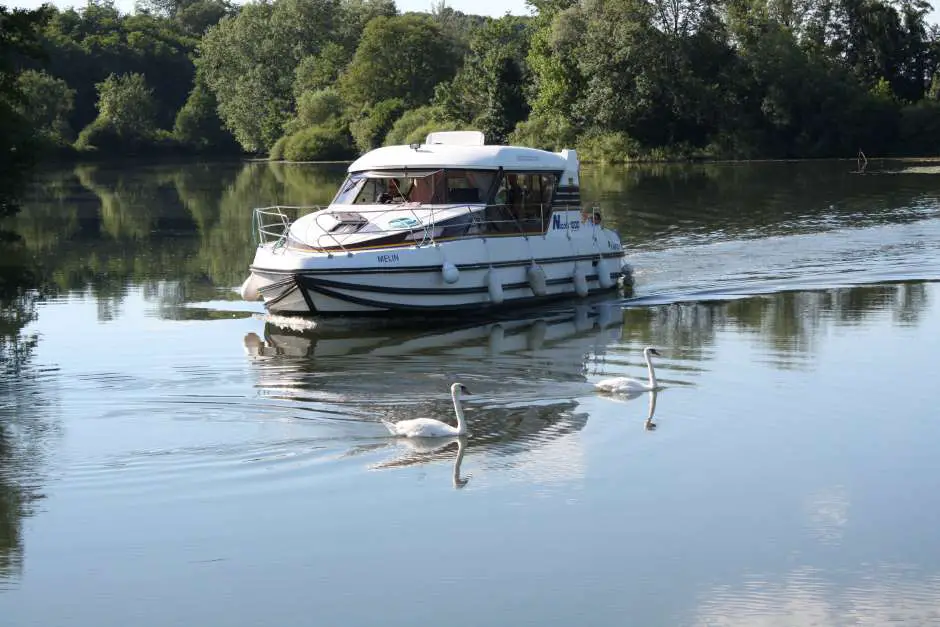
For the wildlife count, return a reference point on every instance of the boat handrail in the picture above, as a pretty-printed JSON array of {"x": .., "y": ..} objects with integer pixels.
[{"x": 272, "y": 224}]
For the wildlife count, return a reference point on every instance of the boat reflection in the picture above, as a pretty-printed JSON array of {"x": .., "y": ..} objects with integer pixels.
[
  {"x": 527, "y": 376},
  {"x": 300, "y": 337}
]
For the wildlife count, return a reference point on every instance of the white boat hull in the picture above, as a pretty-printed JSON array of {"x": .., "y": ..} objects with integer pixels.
[{"x": 414, "y": 280}]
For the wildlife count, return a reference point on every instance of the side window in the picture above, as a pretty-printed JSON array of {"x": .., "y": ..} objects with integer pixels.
[
  {"x": 428, "y": 189},
  {"x": 349, "y": 191},
  {"x": 548, "y": 188},
  {"x": 524, "y": 198},
  {"x": 370, "y": 190},
  {"x": 469, "y": 186}
]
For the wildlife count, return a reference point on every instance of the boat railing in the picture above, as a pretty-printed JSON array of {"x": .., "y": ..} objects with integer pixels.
[
  {"x": 271, "y": 225},
  {"x": 425, "y": 226}
]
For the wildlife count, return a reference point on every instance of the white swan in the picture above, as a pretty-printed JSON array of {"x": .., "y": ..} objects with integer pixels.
[
  {"x": 625, "y": 385},
  {"x": 429, "y": 427}
]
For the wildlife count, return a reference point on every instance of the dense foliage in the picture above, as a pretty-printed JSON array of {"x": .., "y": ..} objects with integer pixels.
[
  {"x": 19, "y": 43},
  {"x": 619, "y": 79}
]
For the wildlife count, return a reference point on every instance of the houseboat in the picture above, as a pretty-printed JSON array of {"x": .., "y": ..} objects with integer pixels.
[{"x": 448, "y": 225}]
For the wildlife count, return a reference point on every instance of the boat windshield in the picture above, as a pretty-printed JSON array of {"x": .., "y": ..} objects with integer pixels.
[{"x": 416, "y": 186}]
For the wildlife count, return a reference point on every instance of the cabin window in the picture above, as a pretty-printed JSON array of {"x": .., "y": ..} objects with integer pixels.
[
  {"x": 428, "y": 189},
  {"x": 349, "y": 190},
  {"x": 425, "y": 187},
  {"x": 523, "y": 201},
  {"x": 469, "y": 186},
  {"x": 386, "y": 187}
]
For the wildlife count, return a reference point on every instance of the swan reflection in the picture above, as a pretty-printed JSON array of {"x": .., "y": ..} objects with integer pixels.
[
  {"x": 648, "y": 424},
  {"x": 424, "y": 450}
]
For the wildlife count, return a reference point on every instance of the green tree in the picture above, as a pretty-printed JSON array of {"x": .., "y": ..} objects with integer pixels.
[
  {"x": 198, "y": 125},
  {"x": 318, "y": 143},
  {"x": 47, "y": 103},
  {"x": 354, "y": 15},
  {"x": 557, "y": 30},
  {"x": 88, "y": 45},
  {"x": 643, "y": 75},
  {"x": 194, "y": 16},
  {"x": 491, "y": 89},
  {"x": 414, "y": 125},
  {"x": 126, "y": 115},
  {"x": 506, "y": 104},
  {"x": 249, "y": 63},
  {"x": 316, "y": 72},
  {"x": 493, "y": 79},
  {"x": 315, "y": 108},
  {"x": 370, "y": 130},
  {"x": 19, "y": 39},
  {"x": 398, "y": 57},
  {"x": 458, "y": 27}
]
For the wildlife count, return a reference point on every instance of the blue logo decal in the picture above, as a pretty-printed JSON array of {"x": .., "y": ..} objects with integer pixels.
[
  {"x": 558, "y": 225},
  {"x": 404, "y": 223}
]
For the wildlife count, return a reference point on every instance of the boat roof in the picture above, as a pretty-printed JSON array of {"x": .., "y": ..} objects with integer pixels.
[{"x": 459, "y": 152}]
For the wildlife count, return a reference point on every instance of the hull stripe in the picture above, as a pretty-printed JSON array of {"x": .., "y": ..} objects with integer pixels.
[
  {"x": 516, "y": 302},
  {"x": 437, "y": 268},
  {"x": 315, "y": 283},
  {"x": 281, "y": 296}
]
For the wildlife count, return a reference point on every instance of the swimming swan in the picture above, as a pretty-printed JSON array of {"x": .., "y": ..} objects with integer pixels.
[
  {"x": 626, "y": 384},
  {"x": 429, "y": 427}
]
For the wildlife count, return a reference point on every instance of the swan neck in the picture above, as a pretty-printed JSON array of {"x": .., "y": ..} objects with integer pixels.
[
  {"x": 458, "y": 409},
  {"x": 649, "y": 367}
]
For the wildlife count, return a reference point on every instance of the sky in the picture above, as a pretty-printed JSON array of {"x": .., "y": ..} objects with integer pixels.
[{"x": 495, "y": 8}]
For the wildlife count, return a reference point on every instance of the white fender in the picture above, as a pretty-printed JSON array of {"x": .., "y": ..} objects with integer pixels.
[
  {"x": 626, "y": 278},
  {"x": 582, "y": 318},
  {"x": 249, "y": 289},
  {"x": 603, "y": 274},
  {"x": 497, "y": 339},
  {"x": 535, "y": 337},
  {"x": 536, "y": 278},
  {"x": 494, "y": 286},
  {"x": 450, "y": 273},
  {"x": 580, "y": 281}
]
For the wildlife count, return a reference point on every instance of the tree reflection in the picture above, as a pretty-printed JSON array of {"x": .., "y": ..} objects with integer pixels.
[
  {"x": 20, "y": 436},
  {"x": 180, "y": 232},
  {"x": 788, "y": 323},
  {"x": 649, "y": 202}
]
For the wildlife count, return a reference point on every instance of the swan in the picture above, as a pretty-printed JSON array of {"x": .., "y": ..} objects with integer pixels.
[
  {"x": 429, "y": 427},
  {"x": 625, "y": 385}
]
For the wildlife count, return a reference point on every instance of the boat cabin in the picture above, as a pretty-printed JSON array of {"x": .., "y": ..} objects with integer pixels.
[{"x": 513, "y": 188}]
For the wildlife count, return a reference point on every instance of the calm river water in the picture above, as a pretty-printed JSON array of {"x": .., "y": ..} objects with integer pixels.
[{"x": 170, "y": 457}]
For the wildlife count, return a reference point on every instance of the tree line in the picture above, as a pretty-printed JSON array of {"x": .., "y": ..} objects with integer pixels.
[{"x": 619, "y": 79}]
